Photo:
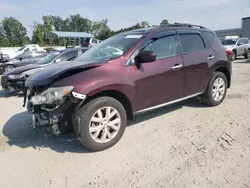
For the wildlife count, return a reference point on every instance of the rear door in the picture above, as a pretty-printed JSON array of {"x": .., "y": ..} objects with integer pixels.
[
  {"x": 198, "y": 57},
  {"x": 246, "y": 44}
]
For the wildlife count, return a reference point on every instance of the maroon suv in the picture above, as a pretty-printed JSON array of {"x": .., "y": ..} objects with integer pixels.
[{"x": 127, "y": 74}]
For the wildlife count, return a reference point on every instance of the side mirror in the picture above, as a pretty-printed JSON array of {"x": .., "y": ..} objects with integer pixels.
[
  {"x": 145, "y": 57},
  {"x": 240, "y": 44},
  {"x": 20, "y": 58},
  {"x": 57, "y": 60}
]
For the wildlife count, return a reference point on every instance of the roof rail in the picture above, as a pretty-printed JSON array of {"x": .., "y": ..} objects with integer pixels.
[{"x": 182, "y": 25}]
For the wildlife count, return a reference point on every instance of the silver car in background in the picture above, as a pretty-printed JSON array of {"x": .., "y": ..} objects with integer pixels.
[{"x": 238, "y": 46}]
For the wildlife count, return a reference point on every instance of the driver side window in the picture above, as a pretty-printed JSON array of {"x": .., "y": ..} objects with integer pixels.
[
  {"x": 163, "y": 47},
  {"x": 239, "y": 41}
]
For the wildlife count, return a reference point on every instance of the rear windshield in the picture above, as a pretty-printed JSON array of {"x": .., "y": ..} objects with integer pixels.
[{"x": 228, "y": 42}]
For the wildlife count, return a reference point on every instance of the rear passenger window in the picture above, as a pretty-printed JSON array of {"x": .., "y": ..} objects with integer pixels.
[
  {"x": 94, "y": 41},
  {"x": 191, "y": 42},
  {"x": 209, "y": 37},
  {"x": 163, "y": 47}
]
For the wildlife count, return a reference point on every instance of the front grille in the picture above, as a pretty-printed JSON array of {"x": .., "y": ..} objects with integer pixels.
[{"x": 4, "y": 78}]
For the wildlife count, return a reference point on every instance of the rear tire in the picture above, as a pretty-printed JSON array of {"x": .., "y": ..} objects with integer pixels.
[
  {"x": 246, "y": 55},
  {"x": 216, "y": 90},
  {"x": 101, "y": 123}
]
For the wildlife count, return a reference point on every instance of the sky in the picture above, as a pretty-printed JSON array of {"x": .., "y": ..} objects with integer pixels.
[{"x": 213, "y": 14}]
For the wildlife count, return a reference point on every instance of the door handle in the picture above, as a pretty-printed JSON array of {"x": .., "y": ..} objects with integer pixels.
[
  {"x": 210, "y": 57},
  {"x": 177, "y": 66}
]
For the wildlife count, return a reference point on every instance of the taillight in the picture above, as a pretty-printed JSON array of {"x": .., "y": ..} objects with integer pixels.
[
  {"x": 229, "y": 53},
  {"x": 89, "y": 44}
]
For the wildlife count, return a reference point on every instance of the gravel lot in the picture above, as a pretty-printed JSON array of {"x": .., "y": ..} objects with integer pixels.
[{"x": 184, "y": 145}]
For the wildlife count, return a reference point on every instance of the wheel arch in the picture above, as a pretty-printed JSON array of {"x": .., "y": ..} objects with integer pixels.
[
  {"x": 118, "y": 95},
  {"x": 227, "y": 73}
]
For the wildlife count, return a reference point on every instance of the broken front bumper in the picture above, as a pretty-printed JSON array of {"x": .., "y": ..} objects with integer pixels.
[
  {"x": 49, "y": 115},
  {"x": 57, "y": 114}
]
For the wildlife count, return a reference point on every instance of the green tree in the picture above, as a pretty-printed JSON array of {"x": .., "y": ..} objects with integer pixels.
[
  {"x": 59, "y": 23},
  {"x": 164, "y": 22},
  {"x": 100, "y": 29},
  {"x": 47, "y": 28},
  {"x": 79, "y": 24},
  {"x": 144, "y": 24},
  {"x": 38, "y": 34},
  {"x": 14, "y": 32},
  {"x": 3, "y": 40}
]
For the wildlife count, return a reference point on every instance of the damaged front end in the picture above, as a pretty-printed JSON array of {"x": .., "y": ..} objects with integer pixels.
[{"x": 52, "y": 106}]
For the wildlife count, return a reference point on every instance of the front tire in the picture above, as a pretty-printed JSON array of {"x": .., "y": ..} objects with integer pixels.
[
  {"x": 216, "y": 90},
  {"x": 8, "y": 68},
  {"x": 101, "y": 124}
]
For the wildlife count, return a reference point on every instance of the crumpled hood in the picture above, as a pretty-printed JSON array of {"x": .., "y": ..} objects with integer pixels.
[
  {"x": 22, "y": 69},
  {"x": 48, "y": 75}
]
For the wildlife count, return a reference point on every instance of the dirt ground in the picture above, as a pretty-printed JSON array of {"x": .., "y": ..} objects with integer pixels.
[{"x": 184, "y": 145}]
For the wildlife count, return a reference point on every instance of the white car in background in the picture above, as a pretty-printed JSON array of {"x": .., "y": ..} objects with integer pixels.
[
  {"x": 238, "y": 46},
  {"x": 25, "y": 48}
]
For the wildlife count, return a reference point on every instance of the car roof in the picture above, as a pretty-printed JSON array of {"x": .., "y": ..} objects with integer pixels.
[{"x": 156, "y": 29}]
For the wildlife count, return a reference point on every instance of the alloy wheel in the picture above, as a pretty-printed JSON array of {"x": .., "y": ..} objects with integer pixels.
[
  {"x": 8, "y": 68},
  {"x": 218, "y": 89},
  {"x": 104, "y": 124}
]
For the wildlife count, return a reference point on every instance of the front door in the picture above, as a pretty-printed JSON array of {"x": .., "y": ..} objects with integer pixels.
[
  {"x": 197, "y": 60},
  {"x": 160, "y": 81},
  {"x": 240, "y": 47}
]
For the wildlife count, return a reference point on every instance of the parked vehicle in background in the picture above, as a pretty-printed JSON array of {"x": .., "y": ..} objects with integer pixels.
[
  {"x": 229, "y": 54},
  {"x": 238, "y": 46},
  {"x": 98, "y": 92},
  {"x": 14, "y": 80},
  {"x": 90, "y": 42},
  {"x": 29, "y": 57},
  {"x": 25, "y": 48},
  {"x": 4, "y": 57}
]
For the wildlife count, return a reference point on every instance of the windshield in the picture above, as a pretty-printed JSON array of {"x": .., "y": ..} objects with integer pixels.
[
  {"x": 20, "y": 49},
  {"x": 228, "y": 42},
  {"x": 110, "y": 48},
  {"x": 47, "y": 59}
]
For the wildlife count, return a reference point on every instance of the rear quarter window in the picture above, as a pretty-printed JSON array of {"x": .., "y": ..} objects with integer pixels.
[
  {"x": 191, "y": 42},
  {"x": 209, "y": 37}
]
